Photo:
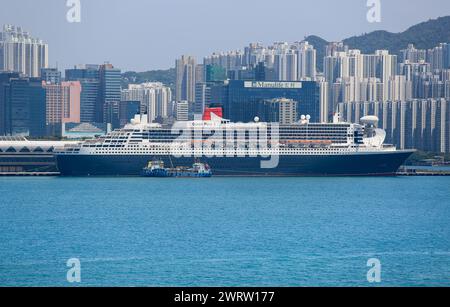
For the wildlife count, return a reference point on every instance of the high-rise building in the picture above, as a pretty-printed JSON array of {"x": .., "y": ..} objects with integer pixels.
[
  {"x": 326, "y": 110},
  {"x": 280, "y": 61},
  {"x": 88, "y": 76},
  {"x": 215, "y": 73},
  {"x": 20, "y": 52},
  {"x": 25, "y": 107},
  {"x": 62, "y": 104},
  {"x": 4, "y": 80},
  {"x": 243, "y": 100},
  {"x": 355, "y": 77},
  {"x": 154, "y": 98},
  {"x": 286, "y": 66},
  {"x": 127, "y": 111},
  {"x": 413, "y": 55},
  {"x": 185, "y": 78},
  {"x": 306, "y": 60},
  {"x": 51, "y": 75},
  {"x": 202, "y": 97},
  {"x": 110, "y": 92},
  {"x": 334, "y": 47},
  {"x": 111, "y": 113},
  {"x": 439, "y": 57},
  {"x": 287, "y": 111},
  {"x": 421, "y": 124},
  {"x": 182, "y": 110}
]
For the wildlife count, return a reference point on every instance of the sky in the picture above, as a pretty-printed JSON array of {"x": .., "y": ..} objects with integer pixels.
[{"x": 144, "y": 35}]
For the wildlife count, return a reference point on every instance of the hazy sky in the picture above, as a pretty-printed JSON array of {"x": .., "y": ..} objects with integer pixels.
[{"x": 149, "y": 34}]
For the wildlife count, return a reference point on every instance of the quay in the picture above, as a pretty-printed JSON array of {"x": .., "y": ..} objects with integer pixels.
[
  {"x": 414, "y": 172},
  {"x": 26, "y": 174}
]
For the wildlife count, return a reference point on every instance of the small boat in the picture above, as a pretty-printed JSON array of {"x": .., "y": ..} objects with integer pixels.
[{"x": 157, "y": 169}]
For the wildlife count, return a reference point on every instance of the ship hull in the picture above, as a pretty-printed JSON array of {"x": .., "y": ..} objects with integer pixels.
[{"x": 358, "y": 164}]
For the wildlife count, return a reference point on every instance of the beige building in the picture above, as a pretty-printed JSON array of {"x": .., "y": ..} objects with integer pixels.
[{"x": 63, "y": 102}]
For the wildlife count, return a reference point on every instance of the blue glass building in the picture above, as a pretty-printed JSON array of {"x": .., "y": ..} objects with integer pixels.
[
  {"x": 100, "y": 89},
  {"x": 4, "y": 80},
  {"x": 89, "y": 78},
  {"x": 25, "y": 107},
  {"x": 243, "y": 100}
]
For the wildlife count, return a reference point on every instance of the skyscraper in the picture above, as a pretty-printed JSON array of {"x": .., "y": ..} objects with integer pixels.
[
  {"x": 88, "y": 76},
  {"x": 62, "y": 104},
  {"x": 25, "y": 107},
  {"x": 20, "y": 52},
  {"x": 4, "y": 80},
  {"x": 243, "y": 100},
  {"x": 306, "y": 59},
  {"x": 51, "y": 75},
  {"x": 412, "y": 124},
  {"x": 351, "y": 76},
  {"x": 154, "y": 98},
  {"x": 412, "y": 54},
  {"x": 110, "y": 91},
  {"x": 202, "y": 97},
  {"x": 286, "y": 66},
  {"x": 185, "y": 78}
]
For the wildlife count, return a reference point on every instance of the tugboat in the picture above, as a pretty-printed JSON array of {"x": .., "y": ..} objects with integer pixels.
[{"x": 157, "y": 169}]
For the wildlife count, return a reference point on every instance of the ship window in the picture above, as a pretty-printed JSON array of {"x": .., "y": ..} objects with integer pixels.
[
  {"x": 11, "y": 149},
  {"x": 25, "y": 149},
  {"x": 50, "y": 149}
]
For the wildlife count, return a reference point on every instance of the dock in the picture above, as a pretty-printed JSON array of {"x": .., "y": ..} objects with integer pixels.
[
  {"x": 28, "y": 174},
  {"x": 423, "y": 173}
]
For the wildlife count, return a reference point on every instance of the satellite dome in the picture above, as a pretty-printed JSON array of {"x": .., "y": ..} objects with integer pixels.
[
  {"x": 303, "y": 117},
  {"x": 256, "y": 119},
  {"x": 369, "y": 120}
]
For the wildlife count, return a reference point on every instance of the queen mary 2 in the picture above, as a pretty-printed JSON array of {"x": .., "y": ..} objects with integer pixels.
[{"x": 238, "y": 149}]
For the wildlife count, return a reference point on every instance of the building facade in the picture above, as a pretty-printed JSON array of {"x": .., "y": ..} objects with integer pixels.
[
  {"x": 20, "y": 52},
  {"x": 186, "y": 71},
  {"x": 110, "y": 92},
  {"x": 5, "y": 77},
  {"x": 25, "y": 107},
  {"x": 422, "y": 124},
  {"x": 62, "y": 104},
  {"x": 154, "y": 98},
  {"x": 242, "y": 101},
  {"x": 89, "y": 78}
]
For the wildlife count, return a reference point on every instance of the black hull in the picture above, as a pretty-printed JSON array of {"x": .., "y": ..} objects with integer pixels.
[{"x": 361, "y": 164}]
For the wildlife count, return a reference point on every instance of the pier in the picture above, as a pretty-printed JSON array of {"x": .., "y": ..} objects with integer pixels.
[{"x": 28, "y": 174}]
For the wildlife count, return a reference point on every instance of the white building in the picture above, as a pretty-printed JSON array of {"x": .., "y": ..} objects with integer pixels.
[
  {"x": 22, "y": 53},
  {"x": 306, "y": 60},
  {"x": 154, "y": 97},
  {"x": 182, "y": 110}
]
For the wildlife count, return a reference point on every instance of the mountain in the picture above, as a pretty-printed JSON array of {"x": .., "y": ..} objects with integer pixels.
[{"x": 425, "y": 35}]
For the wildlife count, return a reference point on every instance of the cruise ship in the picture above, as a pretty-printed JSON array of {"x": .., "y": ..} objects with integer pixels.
[{"x": 238, "y": 149}]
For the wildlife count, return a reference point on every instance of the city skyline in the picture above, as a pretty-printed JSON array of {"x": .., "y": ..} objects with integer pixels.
[{"x": 150, "y": 36}]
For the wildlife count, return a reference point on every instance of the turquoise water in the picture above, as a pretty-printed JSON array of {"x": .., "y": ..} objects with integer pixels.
[{"x": 225, "y": 231}]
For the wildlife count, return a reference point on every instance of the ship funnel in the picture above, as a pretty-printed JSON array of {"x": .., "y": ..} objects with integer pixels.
[{"x": 209, "y": 112}]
